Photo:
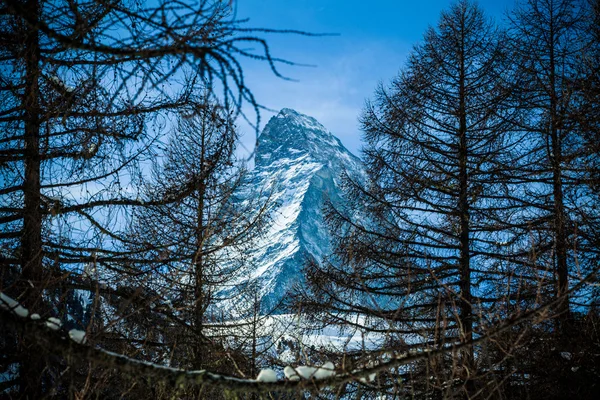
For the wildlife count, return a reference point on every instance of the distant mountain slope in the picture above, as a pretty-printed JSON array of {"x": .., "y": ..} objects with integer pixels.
[{"x": 304, "y": 163}]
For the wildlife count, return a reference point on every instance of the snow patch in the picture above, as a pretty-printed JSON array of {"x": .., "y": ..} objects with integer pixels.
[
  {"x": 299, "y": 164},
  {"x": 327, "y": 370},
  {"x": 58, "y": 82},
  {"x": 21, "y": 311},
  {"x": 77, "y": 336},
  {"x": 53, "y": 323},
  {"x": 7, "y": 303},
  {"x": 290, "y": 373},
  {"x": 267, "y": 375},
  {"x": 306, "y": 372}
]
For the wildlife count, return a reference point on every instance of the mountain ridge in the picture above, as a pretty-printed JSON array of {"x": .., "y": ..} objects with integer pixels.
[{"x": 303, "y": 163}]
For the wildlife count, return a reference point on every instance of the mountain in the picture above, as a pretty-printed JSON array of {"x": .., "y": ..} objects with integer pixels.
[{"x": 303, "y": 163}]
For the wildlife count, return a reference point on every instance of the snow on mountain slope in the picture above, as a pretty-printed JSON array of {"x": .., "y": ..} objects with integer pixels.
[{"x": 303, "y": 163}]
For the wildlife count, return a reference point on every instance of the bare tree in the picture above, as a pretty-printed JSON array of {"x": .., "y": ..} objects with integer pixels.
[
  {"x": 194, "y": 246},
  {"x": 550, "y": 45},
  {"x": 86, "y": 88},
  {"x": 433, "y": 221}
]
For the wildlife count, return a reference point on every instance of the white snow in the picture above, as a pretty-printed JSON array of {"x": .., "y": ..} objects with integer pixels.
[
  {"x": 56, "y": 80},
  {"x": 290, "y": 165},
  {"x": 566, "y": 355},
  {"x": 281, "y": 241},
  {"x": 306, "y": 372},
  {"x": 325, "y": 371},
  {"x": 53, "y": 323},
  {"x": 77, "y": 336},
  {"x": 267, "y": 375},
  {"x": 291, "y": 374},
  {"x": 369, "y": 378},
  {"x": 35, "y": 317},
  {"x": 283, "y": 333},
  {"x": 21, "y": 311},
  {"x": 6, "y": 302}
]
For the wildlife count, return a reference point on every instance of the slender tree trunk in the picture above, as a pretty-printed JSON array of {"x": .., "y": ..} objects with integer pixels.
[
  {"x": 199, "y": 289},
  {"x": 31, "y": 241},
  {"x": 32, "y": 273},
  {"x": 254, "y": 355},
  {"x": 559, "y": 209},
  {"x": 199, "y": 300},
  {"x": 466, "y": 312}
]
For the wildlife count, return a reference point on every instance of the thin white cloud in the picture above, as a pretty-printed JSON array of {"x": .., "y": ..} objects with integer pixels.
[{"x": 334, "y": 92}]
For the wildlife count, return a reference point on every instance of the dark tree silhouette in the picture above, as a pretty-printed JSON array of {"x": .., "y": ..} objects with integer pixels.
[
  {"x": 550, "y": 46},
  {"x": 433, "y": 220},
  {"x": 86, "y": 88},
  {"x": 193, "y": 247}
]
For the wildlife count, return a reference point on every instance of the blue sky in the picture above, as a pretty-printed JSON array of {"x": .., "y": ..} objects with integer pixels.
[{"x": 374, "y": 39}]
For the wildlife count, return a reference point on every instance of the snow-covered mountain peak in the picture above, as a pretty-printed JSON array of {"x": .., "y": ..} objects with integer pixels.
[
  {"x": 302, "y": 163},
  {"x": 294, "y": 117},
  {"x": 291, "y": 134}
]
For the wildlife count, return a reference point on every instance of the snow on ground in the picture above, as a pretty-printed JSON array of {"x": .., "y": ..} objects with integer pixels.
[{"x": 288, "y": 335}]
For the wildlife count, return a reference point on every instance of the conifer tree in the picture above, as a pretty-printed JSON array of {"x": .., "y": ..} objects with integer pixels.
[
  {"x": 86, "y": 87},
  {"x": 440, "y": 140},
  {"x": 192, "y": 236},
  {"x": 551, "y": 47}
]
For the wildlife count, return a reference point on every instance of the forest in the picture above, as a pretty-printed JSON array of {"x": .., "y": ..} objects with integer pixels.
[{"x": 461, "y": 262}]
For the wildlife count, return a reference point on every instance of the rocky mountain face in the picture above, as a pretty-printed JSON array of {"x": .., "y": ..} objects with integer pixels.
[{"x": 303, "y": 163}]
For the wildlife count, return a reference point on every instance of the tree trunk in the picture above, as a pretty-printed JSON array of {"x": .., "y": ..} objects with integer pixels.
[
  {"x": 557, "y": 189},
  {"x": 199, "y": 289},
  {"x": 31, "y": 241},
  {"x": 466, "y": 312},
  {"x": 32, "y": 274}
]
